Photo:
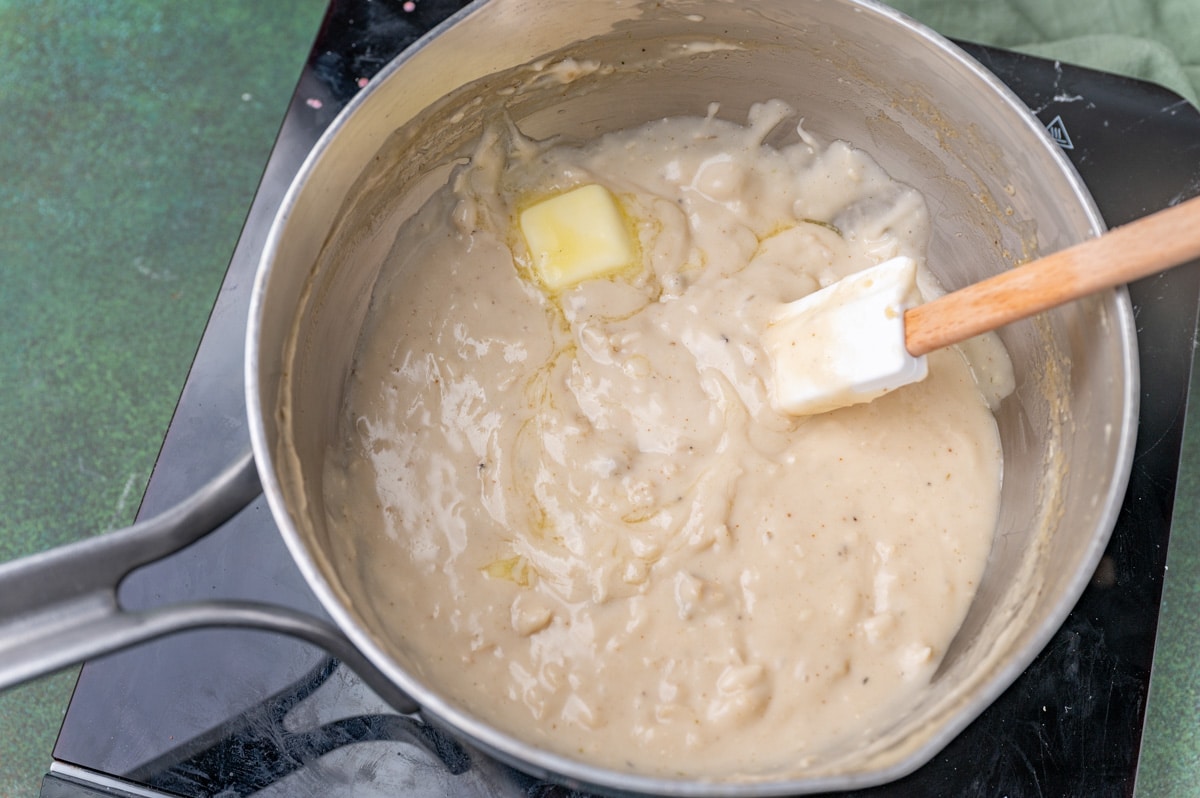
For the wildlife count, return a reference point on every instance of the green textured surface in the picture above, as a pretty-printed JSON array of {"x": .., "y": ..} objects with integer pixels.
[
  {"x": 134, "y": 134},
  {"x": 1170, "y": 763},
  {"x": 133, "y": 137}
]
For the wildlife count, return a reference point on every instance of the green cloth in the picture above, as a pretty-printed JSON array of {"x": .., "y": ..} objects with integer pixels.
[{"x": 1153, "y": 40}]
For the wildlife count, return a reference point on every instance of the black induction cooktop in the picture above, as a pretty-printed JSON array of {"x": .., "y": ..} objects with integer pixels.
[{"x": 231, "y": 713}]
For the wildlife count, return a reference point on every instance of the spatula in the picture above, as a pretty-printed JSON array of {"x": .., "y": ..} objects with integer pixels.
[{"x": 863, "y": 336}]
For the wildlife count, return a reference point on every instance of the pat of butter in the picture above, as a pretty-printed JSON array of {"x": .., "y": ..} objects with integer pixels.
[{"x": 576, "y": 236}]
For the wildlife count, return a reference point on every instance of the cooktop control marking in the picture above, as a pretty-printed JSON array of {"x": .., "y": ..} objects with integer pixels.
[{"x": 1058, "y": 131}]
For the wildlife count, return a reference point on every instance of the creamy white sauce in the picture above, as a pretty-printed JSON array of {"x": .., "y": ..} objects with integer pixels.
[{"x": 579, "y": 515}]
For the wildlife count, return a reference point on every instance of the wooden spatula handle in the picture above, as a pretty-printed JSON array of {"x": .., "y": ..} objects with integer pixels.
[{"x": 1124, "y": 254}]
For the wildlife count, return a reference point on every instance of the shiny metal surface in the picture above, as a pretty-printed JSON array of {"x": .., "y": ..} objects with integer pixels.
[
  {"x": 999, "y": 191},
  {"x": 61, "y": 607}
]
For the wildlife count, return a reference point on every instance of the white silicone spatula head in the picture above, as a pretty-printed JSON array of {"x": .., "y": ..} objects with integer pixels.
[
  {"x": 844, "y": 344},
  {"x": 863, "y": 336}
]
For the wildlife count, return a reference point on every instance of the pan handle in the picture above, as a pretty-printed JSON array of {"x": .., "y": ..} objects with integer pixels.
[{"x": 60, "y": 607}]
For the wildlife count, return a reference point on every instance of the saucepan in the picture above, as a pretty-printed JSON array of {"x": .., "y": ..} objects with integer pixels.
[{"x": 999, "y": 192}]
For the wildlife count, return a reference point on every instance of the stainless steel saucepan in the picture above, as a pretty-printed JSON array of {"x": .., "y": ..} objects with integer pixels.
[{"x": 999, "y": 192}]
